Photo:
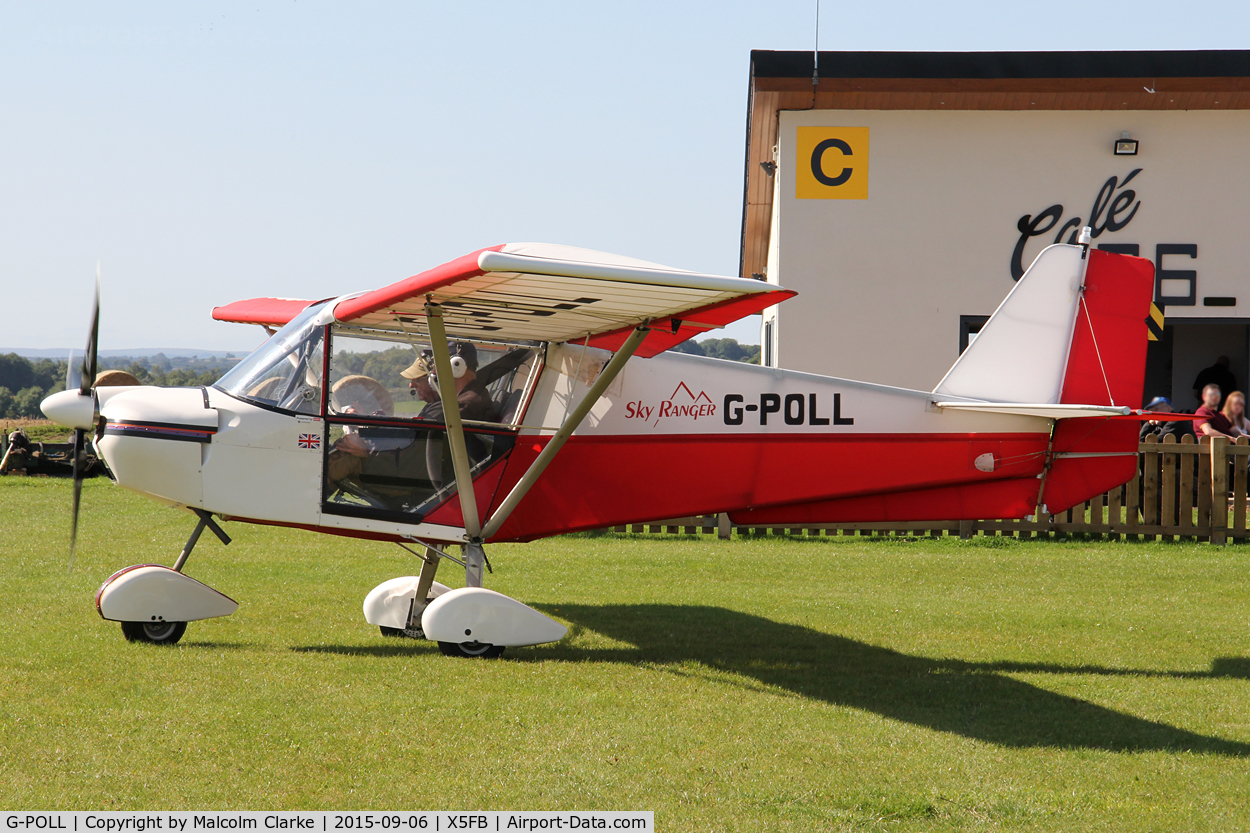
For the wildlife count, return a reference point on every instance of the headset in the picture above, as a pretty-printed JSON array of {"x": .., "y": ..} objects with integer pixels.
[{"x": 459, "y": 365}]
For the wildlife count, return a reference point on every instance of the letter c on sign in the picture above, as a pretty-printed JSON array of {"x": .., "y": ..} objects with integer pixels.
[{"x": 818, "y": 154}]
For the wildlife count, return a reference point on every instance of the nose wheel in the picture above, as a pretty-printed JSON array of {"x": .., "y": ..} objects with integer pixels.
[{"x": 157, "y": 633}]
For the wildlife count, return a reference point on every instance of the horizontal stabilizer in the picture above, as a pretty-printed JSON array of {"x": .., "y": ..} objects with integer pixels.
[
  {"x": 1039, "y": 409},
  {"x": 271, "y": 312}
]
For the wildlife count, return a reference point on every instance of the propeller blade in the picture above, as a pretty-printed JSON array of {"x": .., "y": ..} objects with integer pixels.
[
  {"x": 73, "y": 375},
  {"x": 85, "y": 384},
  {"x": 79, "y": 465},
  {"x": 93, "y": 341}
]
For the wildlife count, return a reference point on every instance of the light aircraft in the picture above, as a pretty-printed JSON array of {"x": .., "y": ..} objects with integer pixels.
[{"x": 590, "y": 423}]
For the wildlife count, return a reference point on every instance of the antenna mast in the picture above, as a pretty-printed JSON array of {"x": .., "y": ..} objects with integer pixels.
[{"x": 816, "y": 49}]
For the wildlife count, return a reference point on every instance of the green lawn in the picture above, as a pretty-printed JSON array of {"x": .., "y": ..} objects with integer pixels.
[{"x": 747, "y": 685}]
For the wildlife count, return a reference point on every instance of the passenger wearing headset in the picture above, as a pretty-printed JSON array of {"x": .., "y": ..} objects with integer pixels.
[
  {"x": 471, "y": 395},
  {"x": 402, "y": 470}
]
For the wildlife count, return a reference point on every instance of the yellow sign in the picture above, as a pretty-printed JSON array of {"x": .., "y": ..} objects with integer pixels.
[
  {"x": 832, "y": 163},
  {"x": 1154, "y": 324}
]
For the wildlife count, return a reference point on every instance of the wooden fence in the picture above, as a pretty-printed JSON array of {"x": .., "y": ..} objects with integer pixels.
[{"x": 1187, "y": 490}]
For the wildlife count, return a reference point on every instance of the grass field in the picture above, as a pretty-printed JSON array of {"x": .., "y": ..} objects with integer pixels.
[{"x": 744, "y": 685}]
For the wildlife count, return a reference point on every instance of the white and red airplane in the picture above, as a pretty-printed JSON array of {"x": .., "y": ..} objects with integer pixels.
[{"x": 590, "y": 423}]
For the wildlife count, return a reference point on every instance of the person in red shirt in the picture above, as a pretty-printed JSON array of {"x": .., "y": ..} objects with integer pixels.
[{"x": 1208, "y": 421}]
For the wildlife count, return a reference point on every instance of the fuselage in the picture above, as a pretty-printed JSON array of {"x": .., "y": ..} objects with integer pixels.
[
  {"x": 330, "y": 426},
  {"x": 674, "y": 435}
]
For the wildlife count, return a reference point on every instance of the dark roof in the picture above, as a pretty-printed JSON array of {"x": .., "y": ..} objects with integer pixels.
[{"x": 1203, "y": 63}]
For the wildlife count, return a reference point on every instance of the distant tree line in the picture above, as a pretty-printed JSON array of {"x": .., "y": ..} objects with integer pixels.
[
  {"x": 721, "y": 348},
  {"x": 386, "y": 364},
  {"x": 24, "y": 382},
  {"x": 178, "y": 372},
  {"x": 382, "y": 364}
]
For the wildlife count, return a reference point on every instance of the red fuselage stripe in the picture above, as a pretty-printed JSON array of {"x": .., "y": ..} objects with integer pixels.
[{"x": 606, "y": 481}]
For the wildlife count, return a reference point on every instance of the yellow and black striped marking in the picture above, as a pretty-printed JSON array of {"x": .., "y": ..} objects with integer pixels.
[{"x": 1154, "y": 323}]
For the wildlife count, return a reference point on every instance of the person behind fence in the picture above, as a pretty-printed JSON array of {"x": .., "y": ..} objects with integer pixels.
[
  {"x": 1160, "y": 427},
  {"x": 1209, "y": 421},
  {"x": 1216, "y": 374},
  {"x": 1235, "y": 410}
]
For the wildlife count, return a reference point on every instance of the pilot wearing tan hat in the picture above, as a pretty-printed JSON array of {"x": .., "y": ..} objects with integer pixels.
[{"x": 418, "y": 376}]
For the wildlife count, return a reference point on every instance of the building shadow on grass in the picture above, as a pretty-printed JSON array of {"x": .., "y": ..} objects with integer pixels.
[{"x": 973, "y": 700}]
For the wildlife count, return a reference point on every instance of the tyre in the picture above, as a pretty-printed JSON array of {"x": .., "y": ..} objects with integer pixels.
[
  {"x": 470, "y": 649},
  {"x": 157, "y": 633}
]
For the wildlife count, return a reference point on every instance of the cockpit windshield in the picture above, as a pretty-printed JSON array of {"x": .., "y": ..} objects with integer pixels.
[{"x": 285, "y": 371}]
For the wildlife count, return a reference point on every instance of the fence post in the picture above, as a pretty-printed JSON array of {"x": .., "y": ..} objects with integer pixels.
[
  {"x": 1186, "y": 489},
  {"x": 1168, "y": 494},
  {"x": 1219, "y": 490},
  {"x": 1150, "y": 485},
  {"x": 723, "y": 527},
  {"x": 1239, "y": 491},
  {"x": 965, "y": 529},
  {"x": 1205, "y": 488},
  {"x": 1114, "y": 517}
]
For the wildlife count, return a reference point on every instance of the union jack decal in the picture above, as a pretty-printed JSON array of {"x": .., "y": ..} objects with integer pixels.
[{"x": 310, "y": 441}]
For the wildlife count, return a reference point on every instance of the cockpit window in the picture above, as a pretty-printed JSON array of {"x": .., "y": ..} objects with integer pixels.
[
  {"x": 285, "y": 371},
  {"x": 387, "y": 451},
  {"x": 377, "y": 374}
]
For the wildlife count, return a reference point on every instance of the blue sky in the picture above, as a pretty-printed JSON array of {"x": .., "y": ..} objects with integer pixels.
[{"x": 207, "y": 152}]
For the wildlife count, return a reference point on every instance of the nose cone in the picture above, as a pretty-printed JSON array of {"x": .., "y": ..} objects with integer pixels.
[{"x": 70, "y": 408}]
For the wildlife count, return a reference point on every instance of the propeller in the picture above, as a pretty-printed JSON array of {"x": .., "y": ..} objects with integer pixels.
[
  {"x": 86, "y": 374},
  {"x": 73, "y": 374}
]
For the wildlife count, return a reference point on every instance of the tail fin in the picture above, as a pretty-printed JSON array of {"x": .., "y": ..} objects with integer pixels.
[
  {"x": 1021, "y": 352},
  {"x": 1050, "y": 342},
  {"x": 1072, "y": 332}
]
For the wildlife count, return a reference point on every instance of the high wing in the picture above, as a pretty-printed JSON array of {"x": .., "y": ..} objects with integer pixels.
[{"x": 543, "y": 292}]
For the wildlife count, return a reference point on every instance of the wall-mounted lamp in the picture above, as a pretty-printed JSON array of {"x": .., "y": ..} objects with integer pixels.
[{"x": 1124, "y": 146}]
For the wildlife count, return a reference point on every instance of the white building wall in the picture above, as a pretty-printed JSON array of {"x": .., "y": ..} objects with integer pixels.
[{"x": 884, "y": 279}]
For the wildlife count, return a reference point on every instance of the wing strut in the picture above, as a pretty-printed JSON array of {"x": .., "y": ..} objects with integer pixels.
[
  {"x": 475, "y": 555},
  {"x": 451, "y": 416},
  {"x": 571, "y": 422}
]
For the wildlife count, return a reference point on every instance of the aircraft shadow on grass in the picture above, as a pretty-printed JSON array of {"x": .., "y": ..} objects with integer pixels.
[{"x": 970, "y": 699}]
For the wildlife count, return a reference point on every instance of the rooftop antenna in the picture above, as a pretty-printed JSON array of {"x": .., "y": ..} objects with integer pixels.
[{"x": 816, "y": 49}]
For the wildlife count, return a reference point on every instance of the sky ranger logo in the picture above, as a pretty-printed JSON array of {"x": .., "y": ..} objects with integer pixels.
[{"x": 688, "y": 405}]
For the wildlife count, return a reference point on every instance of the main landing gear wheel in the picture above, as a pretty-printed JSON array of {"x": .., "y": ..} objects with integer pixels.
[
  {"x": 158, "y": 633},
  {"x": 470, "y": 649}
]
